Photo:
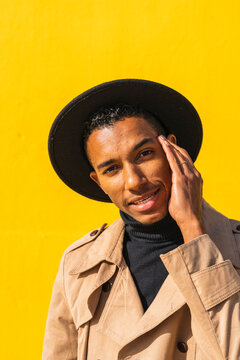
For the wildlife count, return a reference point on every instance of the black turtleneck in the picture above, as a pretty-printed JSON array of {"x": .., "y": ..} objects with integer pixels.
[{"x": 142, "y": 247}]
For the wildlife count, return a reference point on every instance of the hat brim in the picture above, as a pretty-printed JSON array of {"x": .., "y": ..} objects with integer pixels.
[{"x": 65, "y": 146}]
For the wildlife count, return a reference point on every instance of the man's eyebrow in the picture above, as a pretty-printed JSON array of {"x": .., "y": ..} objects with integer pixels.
[
  {"x": 143, "y": 142},
  {"x": 105, "y": 163}
]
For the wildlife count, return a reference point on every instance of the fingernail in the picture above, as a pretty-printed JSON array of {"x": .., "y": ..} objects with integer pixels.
[{"x": 163, "y": 137}]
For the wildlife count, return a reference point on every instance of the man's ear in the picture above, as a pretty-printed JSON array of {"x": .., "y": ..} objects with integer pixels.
[
  {"x": 94, "y": 177},
  {"x": 172, "y": 138}
]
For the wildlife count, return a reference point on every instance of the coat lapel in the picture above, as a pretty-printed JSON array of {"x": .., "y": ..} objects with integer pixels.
[
  {"x": 123, "y": 319},
  {"x": 88, "y": 273},
  {"x": 123, "y": 309}
]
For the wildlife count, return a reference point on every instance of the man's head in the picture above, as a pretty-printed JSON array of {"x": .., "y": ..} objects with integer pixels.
[
  {"x": 65, "y": 145},
  {"x": 128, "y": 162}
]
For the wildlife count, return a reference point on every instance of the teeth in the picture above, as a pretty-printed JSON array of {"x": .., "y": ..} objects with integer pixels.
[{"x": 144, "y": 200}]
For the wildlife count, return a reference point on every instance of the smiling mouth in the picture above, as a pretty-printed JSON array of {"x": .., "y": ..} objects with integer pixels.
[{"x": 146, "y": 199}]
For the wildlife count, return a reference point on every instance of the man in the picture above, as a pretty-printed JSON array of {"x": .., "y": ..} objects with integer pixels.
[{"x": 162, "y": 282}]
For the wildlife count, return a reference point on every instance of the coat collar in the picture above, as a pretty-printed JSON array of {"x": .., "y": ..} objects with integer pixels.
[{"x": 107, "y": 245}]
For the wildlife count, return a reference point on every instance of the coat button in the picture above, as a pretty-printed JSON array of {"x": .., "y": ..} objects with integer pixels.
[
  {"x": 94, "y": 232},
  {"x": 106, "y": 286},
  {"x": 238, "y": 228},
  {"x": 182, "y": 346}
]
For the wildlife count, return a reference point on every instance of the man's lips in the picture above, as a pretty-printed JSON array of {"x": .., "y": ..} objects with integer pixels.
[{"x": 144, "y": 198}]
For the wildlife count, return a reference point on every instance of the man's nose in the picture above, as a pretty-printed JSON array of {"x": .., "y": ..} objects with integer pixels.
[{"x": 134, "y": 178}]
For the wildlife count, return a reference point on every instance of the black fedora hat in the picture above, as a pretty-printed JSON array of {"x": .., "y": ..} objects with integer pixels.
[{"x": 65, "y": 145}]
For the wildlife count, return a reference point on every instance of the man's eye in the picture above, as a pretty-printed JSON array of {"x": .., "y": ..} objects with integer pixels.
[
  {"x": 145, "y": 153},
  {"x": 110, "y": 169}
]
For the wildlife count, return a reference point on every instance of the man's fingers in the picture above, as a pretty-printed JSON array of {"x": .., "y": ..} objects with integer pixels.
[
  {"x": 181, "y": 151},
  {"x": 178, "y": 161},
  {"x": 171, "y": 155}
]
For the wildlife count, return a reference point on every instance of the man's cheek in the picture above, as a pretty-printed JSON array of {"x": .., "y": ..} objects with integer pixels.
[{"x": 103, "y": 186}]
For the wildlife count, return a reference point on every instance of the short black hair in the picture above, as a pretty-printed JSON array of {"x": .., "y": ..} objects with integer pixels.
[{"x": 107, "y": 116}]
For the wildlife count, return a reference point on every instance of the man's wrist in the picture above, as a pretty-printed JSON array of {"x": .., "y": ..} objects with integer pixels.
[{"x": 192, "y": 229}]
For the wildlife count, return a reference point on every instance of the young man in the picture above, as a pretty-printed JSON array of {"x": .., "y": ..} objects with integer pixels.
[{"x": 162, "y": 282}]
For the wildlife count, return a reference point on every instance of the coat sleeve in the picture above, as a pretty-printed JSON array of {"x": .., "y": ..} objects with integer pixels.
[
  {"x": 211, "y": 288},
  {"x": 60, "y": 341}
]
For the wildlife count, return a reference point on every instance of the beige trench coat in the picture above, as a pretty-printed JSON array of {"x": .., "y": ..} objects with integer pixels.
[{"x": 96, "y": 314}]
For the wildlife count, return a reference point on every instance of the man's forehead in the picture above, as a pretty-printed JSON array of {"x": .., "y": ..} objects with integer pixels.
[{"x": 130, "y": 127}]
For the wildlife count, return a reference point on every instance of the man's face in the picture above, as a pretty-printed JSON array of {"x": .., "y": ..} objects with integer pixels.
[{"x": 131, "y": 168}]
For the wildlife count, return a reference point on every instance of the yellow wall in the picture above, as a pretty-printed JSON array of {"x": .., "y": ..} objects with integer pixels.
[{"x": 50, "y": 52}]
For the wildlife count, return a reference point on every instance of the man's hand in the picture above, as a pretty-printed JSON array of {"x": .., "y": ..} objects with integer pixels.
[{"x": 185, "y": 203}]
